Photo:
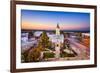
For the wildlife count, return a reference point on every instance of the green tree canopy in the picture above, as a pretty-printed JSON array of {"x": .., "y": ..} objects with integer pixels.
[{"x": 44, "y": 40}]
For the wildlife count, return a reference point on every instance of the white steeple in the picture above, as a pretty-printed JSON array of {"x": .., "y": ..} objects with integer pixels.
[
  {"x": 58, "y": 41},
  {"x": 57, "y": 29}
]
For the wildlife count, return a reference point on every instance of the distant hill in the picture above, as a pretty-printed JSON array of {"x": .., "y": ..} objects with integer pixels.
[{"x": 85, "y": 31}]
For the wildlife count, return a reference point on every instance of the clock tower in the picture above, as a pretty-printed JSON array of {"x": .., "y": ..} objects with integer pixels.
[
  {"x": 58, "y": 42},
  {"x": 57, "y": 30}
]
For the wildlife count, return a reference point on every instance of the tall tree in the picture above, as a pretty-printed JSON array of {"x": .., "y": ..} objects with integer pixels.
[{"x": 44, "y": 40}]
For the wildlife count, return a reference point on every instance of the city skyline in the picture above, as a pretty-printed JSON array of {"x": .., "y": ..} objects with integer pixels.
[{"x": 47, "y": 20}]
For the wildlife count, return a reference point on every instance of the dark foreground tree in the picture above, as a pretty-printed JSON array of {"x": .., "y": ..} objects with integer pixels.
[{"x": 35, "y": 53}]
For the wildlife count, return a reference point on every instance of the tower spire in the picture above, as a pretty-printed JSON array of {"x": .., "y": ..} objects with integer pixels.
[
  {"x": 57, "y": 25},
  {"x": 57, "y": 29}
]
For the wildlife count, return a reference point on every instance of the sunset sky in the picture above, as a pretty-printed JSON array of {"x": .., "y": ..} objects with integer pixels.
[{"x": 47, "y": 20}]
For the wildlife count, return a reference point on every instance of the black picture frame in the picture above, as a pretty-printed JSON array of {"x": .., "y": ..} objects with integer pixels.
[{"x": 13, "y": 35}]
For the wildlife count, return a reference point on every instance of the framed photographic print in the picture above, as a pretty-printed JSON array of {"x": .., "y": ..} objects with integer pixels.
[{"x": 52, "y": 36}]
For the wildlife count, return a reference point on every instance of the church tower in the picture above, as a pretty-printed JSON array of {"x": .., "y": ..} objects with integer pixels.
[
  {"x": 57, "y": 43},
  {"x": 57, "y": 30}
]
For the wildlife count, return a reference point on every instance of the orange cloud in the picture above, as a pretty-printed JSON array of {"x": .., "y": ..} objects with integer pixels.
[{"x": 38, "y": 26}]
